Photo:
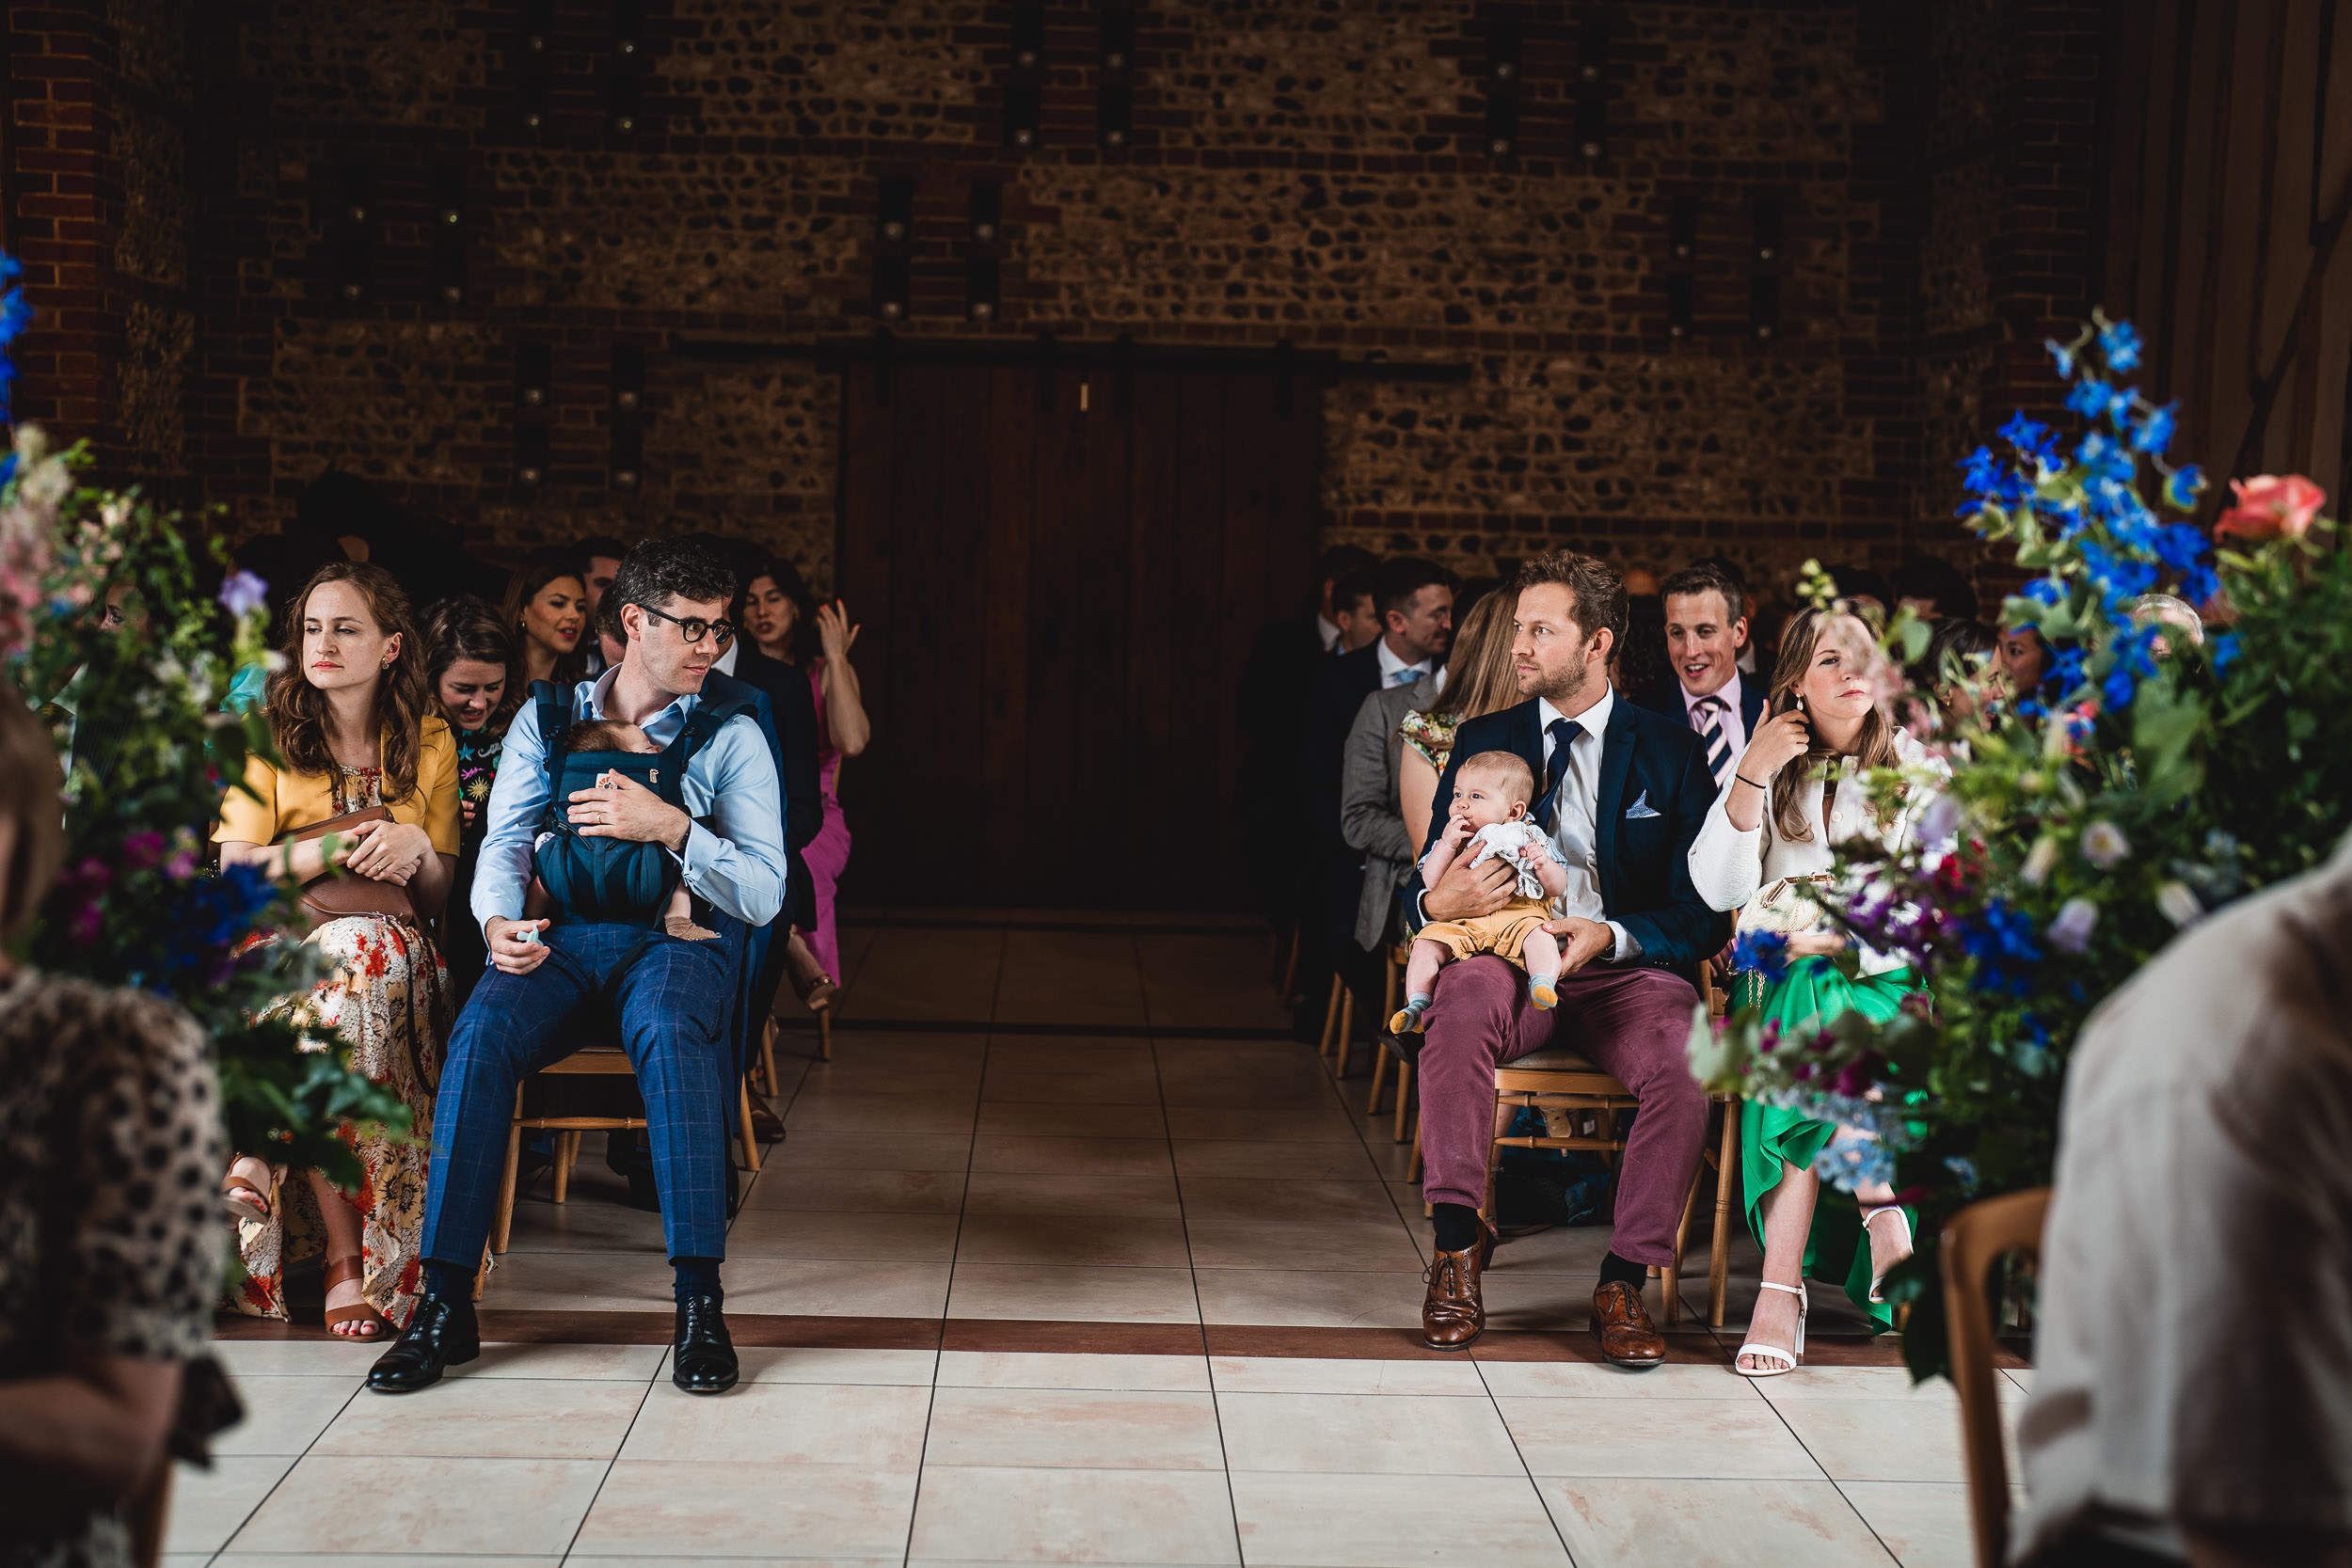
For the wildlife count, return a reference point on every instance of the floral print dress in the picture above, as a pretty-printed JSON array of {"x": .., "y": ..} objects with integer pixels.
[{"x": 390, "y": 998}]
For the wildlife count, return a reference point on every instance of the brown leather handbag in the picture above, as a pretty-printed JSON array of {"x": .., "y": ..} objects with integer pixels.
[{"x": 333, "y": 893}]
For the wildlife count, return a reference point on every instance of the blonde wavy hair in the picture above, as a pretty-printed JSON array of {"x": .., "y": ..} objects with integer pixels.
[{"x": 296, "y": 710}]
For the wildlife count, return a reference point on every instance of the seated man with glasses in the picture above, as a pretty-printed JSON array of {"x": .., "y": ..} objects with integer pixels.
[{"x": 671, "y": 998}]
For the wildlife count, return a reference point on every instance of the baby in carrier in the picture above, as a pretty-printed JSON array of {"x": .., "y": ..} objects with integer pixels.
[{"x": 608, "y": 878}]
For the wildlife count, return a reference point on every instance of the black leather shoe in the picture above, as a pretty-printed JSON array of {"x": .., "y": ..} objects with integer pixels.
[
  {"x": 441, "y": 1334},
  {"x": 702, "y": 1356}
]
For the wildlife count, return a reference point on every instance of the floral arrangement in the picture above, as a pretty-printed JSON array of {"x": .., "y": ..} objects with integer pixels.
[
  {"x": 2069, "y": 832},
  {"x": 106, "y": 631}
]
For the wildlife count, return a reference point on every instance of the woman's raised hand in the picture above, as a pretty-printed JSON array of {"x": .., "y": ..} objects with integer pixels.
[
  {"x": 835, "y": 630},
  {"x": 1778, "y": 741}
]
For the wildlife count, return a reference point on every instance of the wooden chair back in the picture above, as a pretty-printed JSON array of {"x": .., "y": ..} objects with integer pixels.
[{"x": 1977, "y": 1238}]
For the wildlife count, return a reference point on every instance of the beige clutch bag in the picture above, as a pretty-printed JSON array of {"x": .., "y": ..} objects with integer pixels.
[{"x": 1785, "y": 907}]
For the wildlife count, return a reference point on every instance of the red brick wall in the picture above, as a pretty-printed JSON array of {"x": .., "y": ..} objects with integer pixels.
[{"x": 1310, "y": 171}]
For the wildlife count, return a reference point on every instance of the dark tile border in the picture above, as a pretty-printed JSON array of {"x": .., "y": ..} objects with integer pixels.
[{"x": 808, "y": 1025}]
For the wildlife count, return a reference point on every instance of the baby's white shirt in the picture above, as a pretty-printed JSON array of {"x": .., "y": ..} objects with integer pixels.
[{"x": 1501, "y": 838}]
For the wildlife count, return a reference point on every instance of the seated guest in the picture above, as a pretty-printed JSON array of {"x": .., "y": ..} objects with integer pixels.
[
  {"x": 546, "y": 609},
  {"x": 109, "y": 1149},
  {"x": 673, "y": 999},
  {"x": 353, "y": 719},
  {"x": 1352, "y": 609},
  {"x": 792, "y": 631},
  {"x": 1623, "y": 794},
  {"x": 1798, "y": 794},
  {"x": 1706, "y": 626},
  {"x": 2023, "y": 660},
  {"x": 1492, "y": 792},
  {"x": 467, "y": 658},
  {"x": 599, "y": 555},
  {"x": 1953, "y": 670},
  {"x": 2201, "y": 1166},
  {"x": 1480, "y": 678},
  {"x": 2168, "y": 610},
  {"x": 1372, "y": 816},
  {"x": 1934, "y": 589}
]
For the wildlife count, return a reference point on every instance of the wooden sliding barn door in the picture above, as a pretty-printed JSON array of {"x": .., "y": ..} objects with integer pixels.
[{"x": 1059, "y": 575}]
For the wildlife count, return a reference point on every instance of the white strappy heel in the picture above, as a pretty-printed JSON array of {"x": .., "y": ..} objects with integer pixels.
[
  {"x": 1869, "y": 1214},
  {"x": 1786, "y": 1357}
]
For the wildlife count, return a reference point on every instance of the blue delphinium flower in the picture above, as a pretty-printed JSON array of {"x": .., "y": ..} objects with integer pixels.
[
  {"x": 2105, "y": 457},
  {"x": 2035, "y": 440},
  {"x": 2225, "y": 651},
  {"x": 2088, "y": 398},
  {"x": 2064, "y": 354},
  {"x": 2045, "y": 591},
  {"x": 2002, "y": 943},
  {"x": 1765, "y": 952},
  {"x": 1982, "y": 473},
  {"x": 2182, "y": 487},
  {"x": 2120, "y": 342},
  {"x": 2154, "y": 433},
  {"x": 2066, "y": 670}
]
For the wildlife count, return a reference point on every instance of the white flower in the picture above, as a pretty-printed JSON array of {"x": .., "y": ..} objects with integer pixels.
[
  {"x": 2039, "y": 862},
  {"x": 1939, "y": 821},
  {"x": 2069, "y": 931},
  {"x": 2105, "y": 845},
  {"x": 2179, "y": 904}
]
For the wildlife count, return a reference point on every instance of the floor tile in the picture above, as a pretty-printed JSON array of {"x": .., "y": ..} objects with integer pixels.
[
  {"x": 1871, "y": 1383},
  {"x": 1101, "y": 1240},
  {"x": 1120, "y": 1082},
  {"x": 1583, "y": 1380},
  {"x": 877, "y": 1113},
  {"x": 1012, "y": 1053},
  {"x": 1274, "y": 1160},
  {"x": 580, "y": 1281},
  {"x": 1368, "y": 1433},
  {"x": 243, "y": 1358},
  {"x": 1741, "y": 1437},
  {"x": 1925, "y": 1524},
  {"x": 1253, "y": 1374},
  {"x": 875, "y": 1427},
  {"x": 656, "y": 1508},
  {"x": 1882, "y": 1439},
  {"x": 912, "y": 973},
  {"x": 351, "y": 1559},
  {"x": 1091, "y": 1517},
  {"x": 1023, "y": 1370},
  {"x": 795, "y": 1364},
  {"x": 510, "y": 1417},
  {"x": 512, "y": 1506},
  {"x": 1302, "y": 1201},
  {"x": 1274, "y": 1243},
  {"x": 857, "y": 1192},
  {"x": 999, "y": 1152},
  {"x": 1576, "y": 1249},
  {"x": 1325, "y": 1125},
  {"x": 209, "y": 1506},
  {"x": 590, "y": 1221},
  {"x": 835, "y": 1234},
  {"x": 284, "y": 1414},
  {"x": 1036, "y": 1119},
  {"x": 1073, "y": 1428},
  {"x": 797, "y": 1286},
  {"x": 616, "y": 1363},
  {"x": 1310, "y": 1298},
  {"x": 1710, "y": 1524},
  {"x": 1033, "y": 1194},
  {"x": 1073, "y": 1295},
  {"x": 847, "y": 1151},
  {"x": 1373, "y": 1521}
]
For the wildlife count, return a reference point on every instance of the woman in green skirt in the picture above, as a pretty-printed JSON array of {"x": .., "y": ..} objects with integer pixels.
[{"x": 1796, "y": 795}]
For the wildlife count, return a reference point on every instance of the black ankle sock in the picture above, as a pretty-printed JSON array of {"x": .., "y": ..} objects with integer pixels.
[
  {"x": 696, "y": 1277},
  {"x": 454, "y": 1281},
  {"x": 1613, "y": 1267},
  {"x": 1457, "y": 1227}
]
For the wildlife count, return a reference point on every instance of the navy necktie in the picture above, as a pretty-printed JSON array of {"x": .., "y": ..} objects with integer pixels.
[{"x": 1563, "y": 732}]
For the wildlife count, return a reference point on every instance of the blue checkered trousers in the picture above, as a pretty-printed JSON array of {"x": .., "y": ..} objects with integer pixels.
[{"x": 670, "y": 1000}]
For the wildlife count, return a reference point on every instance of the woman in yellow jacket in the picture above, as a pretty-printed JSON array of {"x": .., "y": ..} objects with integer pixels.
[{"x": 354, "y": 721}]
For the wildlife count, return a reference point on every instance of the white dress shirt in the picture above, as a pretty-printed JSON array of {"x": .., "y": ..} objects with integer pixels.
[
  {"x": 1734, "y": 729},
  {"x": 1394, "y": 670},
  {"x": 1576, "y": 831},
  {"x": 724, "y": 663},
  {"x": 1329, "y": 630}
]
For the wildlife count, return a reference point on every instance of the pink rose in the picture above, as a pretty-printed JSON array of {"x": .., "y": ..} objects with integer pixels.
[{"x": 2270, "y": 506}]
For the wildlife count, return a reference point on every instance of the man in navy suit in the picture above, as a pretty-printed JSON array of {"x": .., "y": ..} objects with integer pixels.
[
  {"x": 1623, "y": 793},
  {"x": 1707, "y": 625}
]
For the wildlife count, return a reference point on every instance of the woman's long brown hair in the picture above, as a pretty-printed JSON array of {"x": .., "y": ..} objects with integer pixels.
[
  {"x": 1799, "y": 643},
  {"x": 297, "y": 710},
  {"x": 546, "y": 564},
  {"x": 1479, "y": 677}
]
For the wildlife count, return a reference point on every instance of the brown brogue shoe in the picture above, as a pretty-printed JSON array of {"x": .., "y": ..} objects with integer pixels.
[
  {"x": 1627, "y": 1338},
  {"x": 1453, "y": 1316}
]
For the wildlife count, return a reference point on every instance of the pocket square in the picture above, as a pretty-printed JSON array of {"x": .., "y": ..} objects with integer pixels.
[{"x": 1640, "y": 808}]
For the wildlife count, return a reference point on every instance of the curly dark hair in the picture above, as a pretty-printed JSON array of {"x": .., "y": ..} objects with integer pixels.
[
  {"x": 296, "y": 710},
  {"x": 806, "y": 643},
  {"x": 659, "y": 572}
]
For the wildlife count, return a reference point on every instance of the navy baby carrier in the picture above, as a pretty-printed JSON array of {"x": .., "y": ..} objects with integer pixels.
[{"x": 618, "y": 880}]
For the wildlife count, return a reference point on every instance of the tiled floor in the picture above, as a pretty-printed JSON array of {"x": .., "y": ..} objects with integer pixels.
[{"x": 1071, "y": 1256}]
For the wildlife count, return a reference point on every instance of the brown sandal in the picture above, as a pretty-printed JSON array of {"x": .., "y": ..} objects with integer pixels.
[
  {"x": 233, "y": 1182},
  {"x": 343, "y": 1271}
]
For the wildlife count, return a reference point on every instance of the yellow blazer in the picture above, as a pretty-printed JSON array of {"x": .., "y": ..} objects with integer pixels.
[{"x": 290, "y": 799}]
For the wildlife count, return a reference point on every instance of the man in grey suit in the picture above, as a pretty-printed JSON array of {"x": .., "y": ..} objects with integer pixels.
[{"x": 1371, "y": 815}]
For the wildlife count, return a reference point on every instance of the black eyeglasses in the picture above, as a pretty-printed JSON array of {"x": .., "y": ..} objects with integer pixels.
[{"x": 694, "y": 629}]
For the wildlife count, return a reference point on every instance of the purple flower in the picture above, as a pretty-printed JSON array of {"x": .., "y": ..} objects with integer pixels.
[
  {"x": 243, "y": 594},
  {"x": 142, "y": 849},
  {"x": 2070, "y": 931}
]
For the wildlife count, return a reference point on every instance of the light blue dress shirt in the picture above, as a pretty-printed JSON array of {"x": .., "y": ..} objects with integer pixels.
[{"x": 736, "y": 863}]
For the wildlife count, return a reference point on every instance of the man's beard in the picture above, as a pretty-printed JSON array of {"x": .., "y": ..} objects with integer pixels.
[{"x": 1564, "y": 688}]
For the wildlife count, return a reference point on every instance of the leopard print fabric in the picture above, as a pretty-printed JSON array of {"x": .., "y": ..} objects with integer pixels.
[{"x": 112, "y": 1234}]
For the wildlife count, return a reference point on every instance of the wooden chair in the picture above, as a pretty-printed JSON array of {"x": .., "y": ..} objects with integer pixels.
[
  {"x": 592, "y": 1061},
  {"x": 1564, "y": 1082},
  {"x": 1339, "y": 1022},
  {"x": 1977, "y": 1238},
  {"x": 1394, "y": 962}
]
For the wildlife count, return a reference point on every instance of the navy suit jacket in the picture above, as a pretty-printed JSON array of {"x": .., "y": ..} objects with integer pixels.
[
  {"x": 1667, "y": 697},
  {"x": 1645, "y": 861},
  {"x": 1343, "y": 685}
]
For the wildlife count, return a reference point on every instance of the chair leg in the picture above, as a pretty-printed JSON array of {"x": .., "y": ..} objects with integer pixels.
[
  {"x": 1726, "y": 1187},
  {"x": 1290, "y": 969},
  {"x": 1330, "y": 1018},
  {"x": 1404, "y": 1093},
  {"x": 1379, "y": 1077},
  {"x": 743, "y": 1128},
  {"x": 768, "y": 1057},
  {"x": 481, "y": 1274},
  {"x": 1390, "y": 981},
  {"x": 1348, "y": 1027},
  {"x": 824, "y": 1033},
  {"x": 566, "y": 1147},
  {"x": 1672, "y": 1272},
  {"x": 506, "y": 1184}
]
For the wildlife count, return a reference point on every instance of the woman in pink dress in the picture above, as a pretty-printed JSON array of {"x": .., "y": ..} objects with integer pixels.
[{"x": 787, "y": 622}]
